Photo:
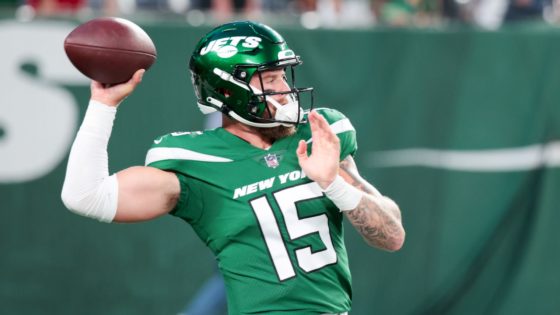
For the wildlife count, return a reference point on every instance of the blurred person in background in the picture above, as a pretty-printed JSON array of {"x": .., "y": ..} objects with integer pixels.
[
  {"x": 224, "y": 10},
  {"x": 398, "y": 13},
  {"x": 48, "y": 8},
  {"x": 525, "y": 10},
  {"x": 210, "y": 299},
  {"x": 71, "y": 8},
  {"x": 267, "y": 192}
]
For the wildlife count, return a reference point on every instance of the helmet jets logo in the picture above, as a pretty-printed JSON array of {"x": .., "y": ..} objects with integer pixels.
[{"x": 227, "y": 47}]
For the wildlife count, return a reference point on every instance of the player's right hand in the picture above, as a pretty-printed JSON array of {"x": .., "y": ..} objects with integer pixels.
[{"x": 113, "y": 95}]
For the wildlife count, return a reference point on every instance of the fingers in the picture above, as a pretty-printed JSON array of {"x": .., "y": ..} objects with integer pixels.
[
  {"x": 301, "y": 150},
  {"x": 312, "y": 117},
  {"x": 129, "y": 86},
  {"x": 320, "y": 128},
  {"x": 137, "y": 77},
  {"x": 323, "y": 162},
  {"x": 132, "y": 83},
  {"x": 114, "y": 94},
  {"x": 318, "y": 122},
  {"x": 96, "y": 85},
  {"x": 324, "y": 125}
]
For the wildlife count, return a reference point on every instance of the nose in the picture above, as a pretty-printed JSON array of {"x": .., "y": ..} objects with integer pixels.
[
  {"x": 282, "y": 99},
  {"x": 282, "y": 87}
]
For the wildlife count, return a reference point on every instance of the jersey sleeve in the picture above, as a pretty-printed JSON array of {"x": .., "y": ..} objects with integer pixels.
[
  {"x": 344, "y": 130},
  {"x": 160, "y": 156}
]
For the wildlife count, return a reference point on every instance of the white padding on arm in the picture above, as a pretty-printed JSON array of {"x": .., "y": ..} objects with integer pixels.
[
  {"x": 345, "y": 196},
  {"x": 88, "y": 189}
]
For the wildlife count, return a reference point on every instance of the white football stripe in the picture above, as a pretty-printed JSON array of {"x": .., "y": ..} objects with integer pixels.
[
  {"x": 160, "y": 154},
  {"x": 494, "y": 160}
]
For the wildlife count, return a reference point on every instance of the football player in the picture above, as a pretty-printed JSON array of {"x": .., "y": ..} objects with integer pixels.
[{"x": 266, "y": 192}]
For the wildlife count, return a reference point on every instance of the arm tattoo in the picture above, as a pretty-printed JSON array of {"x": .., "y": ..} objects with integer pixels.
[{"x": 377, "y": 218}]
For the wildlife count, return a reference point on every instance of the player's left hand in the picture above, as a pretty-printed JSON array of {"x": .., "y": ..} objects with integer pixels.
[{"x": 323, "y": 163}]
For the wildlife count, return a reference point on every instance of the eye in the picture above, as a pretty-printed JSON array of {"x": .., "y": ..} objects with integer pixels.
[{"x": 269, "y": 80}]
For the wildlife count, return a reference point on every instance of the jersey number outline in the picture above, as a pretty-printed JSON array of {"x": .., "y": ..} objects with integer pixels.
[{"x": 297, "y": 227}]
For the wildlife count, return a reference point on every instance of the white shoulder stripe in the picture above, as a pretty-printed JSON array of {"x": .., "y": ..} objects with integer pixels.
[
  {"x": 160, "y": 154},
  {"x": 340, "y": 127}
]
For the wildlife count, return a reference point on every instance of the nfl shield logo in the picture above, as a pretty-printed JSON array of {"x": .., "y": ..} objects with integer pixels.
[{"x": 271, "y": 160}]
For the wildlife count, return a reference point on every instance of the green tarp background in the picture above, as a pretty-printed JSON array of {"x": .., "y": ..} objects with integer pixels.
[{"x": 479, "y": 240}]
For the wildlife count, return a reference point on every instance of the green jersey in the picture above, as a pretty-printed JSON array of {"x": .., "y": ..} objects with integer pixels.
[{"x": 277, "y": 239}]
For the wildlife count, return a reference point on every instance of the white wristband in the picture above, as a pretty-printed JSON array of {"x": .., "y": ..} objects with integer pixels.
[
  {"x": 345, "y": 196},
  {"x": 88, "y": 189}
]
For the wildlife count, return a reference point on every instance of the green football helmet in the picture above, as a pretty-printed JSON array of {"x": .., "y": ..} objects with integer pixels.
[{"x": 225, "y": 60}]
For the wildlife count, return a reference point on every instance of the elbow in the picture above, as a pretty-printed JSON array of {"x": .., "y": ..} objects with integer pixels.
[
  {"x": 89, "y": 207},
  {"x": 67, "y": 199},
  {"x": 98, "y": 203},
  {"x": 397, "y": 237},
  {"x": 396, "y": 243},
  {"x": 72, "y": 203},
  {"x": 390, "y": 243}
]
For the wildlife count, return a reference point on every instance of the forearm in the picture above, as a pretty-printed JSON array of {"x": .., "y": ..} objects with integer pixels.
[
  {"x": 375, "y": 220},
  {"x": 88, "y": 189},
  {"x": 376, "y": 217}
]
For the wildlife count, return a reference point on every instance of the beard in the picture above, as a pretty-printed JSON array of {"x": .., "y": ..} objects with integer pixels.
[{"x": 276, "y": 133}]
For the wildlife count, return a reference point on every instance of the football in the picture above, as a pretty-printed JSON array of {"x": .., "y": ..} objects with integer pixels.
[{"x": 109, "y": 50}]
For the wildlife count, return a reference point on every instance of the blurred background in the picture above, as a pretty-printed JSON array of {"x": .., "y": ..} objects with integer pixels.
[
  {"x": 309, "y": 14},
  {"x": 457, "y": 108}
]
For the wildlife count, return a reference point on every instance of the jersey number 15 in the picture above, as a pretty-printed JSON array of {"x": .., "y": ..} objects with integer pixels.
[{"x": 296, "y": 227}]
